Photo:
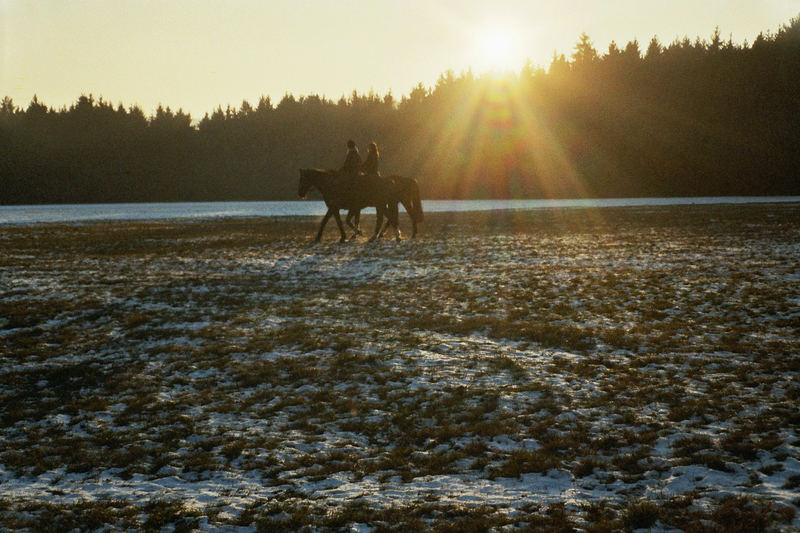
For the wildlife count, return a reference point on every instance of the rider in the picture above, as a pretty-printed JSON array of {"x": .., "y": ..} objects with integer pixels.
[
  {"x": 370, "y": 166},
  {"x": 352, "y": 163}
]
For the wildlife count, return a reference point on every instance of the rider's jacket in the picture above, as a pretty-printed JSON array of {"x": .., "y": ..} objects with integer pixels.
[
  {"x": 370, "y": 166},
  {"x": 352, "y": 163}
]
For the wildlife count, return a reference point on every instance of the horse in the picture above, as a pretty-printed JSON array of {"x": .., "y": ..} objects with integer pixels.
[
  {"x": 338, "y": 194},
  {"x": 407, "y": 192}
]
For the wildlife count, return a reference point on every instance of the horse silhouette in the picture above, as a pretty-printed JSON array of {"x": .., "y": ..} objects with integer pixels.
[
  {"x": 342, "y": 193},
  {"x": 407, "y": 192}
]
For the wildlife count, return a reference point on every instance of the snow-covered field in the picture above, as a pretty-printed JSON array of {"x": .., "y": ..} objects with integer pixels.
[{"x": 595, "y": 369}]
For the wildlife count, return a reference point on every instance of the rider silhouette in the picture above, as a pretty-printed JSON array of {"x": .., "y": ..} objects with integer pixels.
[
  {"x": 352, "y": 163},
  {"x": 370, "y": 166}
]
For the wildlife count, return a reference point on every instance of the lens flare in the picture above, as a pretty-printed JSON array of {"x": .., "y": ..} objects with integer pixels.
[{"x": 496, "y": 48}]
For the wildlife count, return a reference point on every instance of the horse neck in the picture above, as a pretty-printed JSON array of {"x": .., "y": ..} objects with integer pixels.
[{"x": 321, "y": 181}]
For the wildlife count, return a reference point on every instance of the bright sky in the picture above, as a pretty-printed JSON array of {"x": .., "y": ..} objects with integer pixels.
[{"x": 198, "y": 54}]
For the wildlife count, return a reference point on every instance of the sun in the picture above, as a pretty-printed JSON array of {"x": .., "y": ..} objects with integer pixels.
[{"x": 496, "y": 48}]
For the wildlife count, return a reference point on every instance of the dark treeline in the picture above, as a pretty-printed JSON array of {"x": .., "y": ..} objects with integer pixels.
[{"x": 689, "y": 118}]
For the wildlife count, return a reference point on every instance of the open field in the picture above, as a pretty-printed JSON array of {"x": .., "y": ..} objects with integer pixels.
[{"x": 549, "y": 370}]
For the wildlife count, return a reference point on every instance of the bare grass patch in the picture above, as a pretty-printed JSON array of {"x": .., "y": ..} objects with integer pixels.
[{"x": 568, "y": 371}]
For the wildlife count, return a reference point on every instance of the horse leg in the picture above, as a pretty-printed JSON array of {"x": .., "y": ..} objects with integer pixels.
[
  {"x": 393, "y": 213},
  {"x": 322, "y": 224},
  {"x": 357, "y": 227},
  {"x": 341, "y": 226},
  {"x": 391, "y": 218},
  {"x": 384, "y": 228},
  {"x": 351, "y": 214},
  {"x": 378, "y": 222},
  {"x": 409, "y": 207},
  {"x": 349, "y": 222}
]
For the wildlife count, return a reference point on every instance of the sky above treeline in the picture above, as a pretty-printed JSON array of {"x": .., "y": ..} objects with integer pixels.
[{"x": 200, "y": 54}]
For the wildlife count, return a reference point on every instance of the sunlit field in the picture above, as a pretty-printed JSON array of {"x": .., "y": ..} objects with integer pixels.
[{"x": 548, "y": 370}]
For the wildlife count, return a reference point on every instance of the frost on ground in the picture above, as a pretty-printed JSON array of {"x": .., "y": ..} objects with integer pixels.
[{"x": 555, "y": 369}]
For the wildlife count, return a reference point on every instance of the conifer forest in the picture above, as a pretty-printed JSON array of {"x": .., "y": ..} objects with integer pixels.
[{"x": 702, "y": 117}]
